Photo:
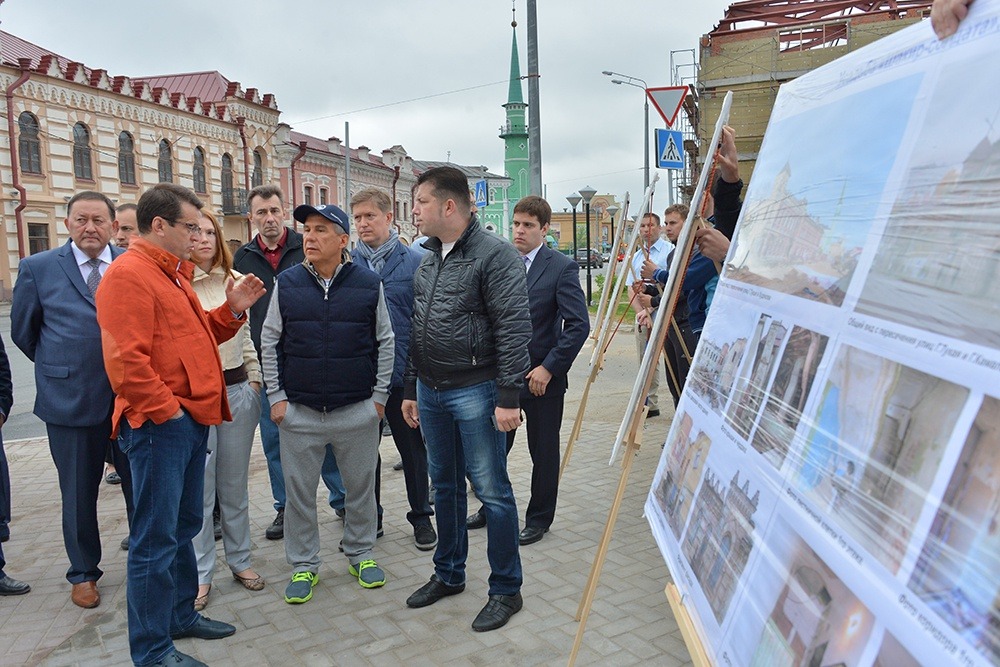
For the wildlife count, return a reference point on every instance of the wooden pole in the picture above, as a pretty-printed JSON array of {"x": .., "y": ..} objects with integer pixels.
[
  {"x": 604, "y": 329},
  {"x": 583, "y": 611},
  {"x": 699, "y": 657},
  {"x": 635, "y": 415}
]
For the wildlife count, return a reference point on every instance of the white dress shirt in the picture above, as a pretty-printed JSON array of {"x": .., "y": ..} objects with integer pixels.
[{"x": 82, "y": 259}]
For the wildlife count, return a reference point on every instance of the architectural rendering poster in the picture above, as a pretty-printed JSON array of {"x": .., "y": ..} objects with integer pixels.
[{"x": 829, "y": 491}]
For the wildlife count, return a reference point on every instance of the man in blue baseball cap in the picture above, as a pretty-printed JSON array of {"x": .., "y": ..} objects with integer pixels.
[{"x": 327, "y": 353}]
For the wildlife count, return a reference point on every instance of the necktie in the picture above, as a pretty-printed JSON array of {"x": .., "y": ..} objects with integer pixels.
[
  {"x": 527, "y": 262},
  {"x": 94, "y": 277}
]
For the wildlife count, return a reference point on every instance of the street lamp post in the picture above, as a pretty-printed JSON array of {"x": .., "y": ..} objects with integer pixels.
[
  {"x": 612, "y": 210},
  {"x": 630, "y": 81},
  {"x": 588, "y": 193},
  {"x": 573, "y": 200}
]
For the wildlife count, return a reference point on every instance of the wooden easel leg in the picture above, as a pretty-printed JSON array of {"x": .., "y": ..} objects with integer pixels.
[
  {"x": 631, "y": 449},
  {"x": 578, "y": 424}
]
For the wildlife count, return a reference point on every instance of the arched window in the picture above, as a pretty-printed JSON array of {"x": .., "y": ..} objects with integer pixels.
[
  {"x": 165, "y": 163},
  {"x": 82, "y": 167},
  {"x": 307, "y": 195},
  {"x": 322, "y": 196},
  {"x": 198, "y": 170},
  {"x": 28, "y": 144},
  {"x": 720, "y": 560},
  {"x": 257, "y": 178},
  {"x": 126, "y": 158},
  {"x": 228, "y": 203}
]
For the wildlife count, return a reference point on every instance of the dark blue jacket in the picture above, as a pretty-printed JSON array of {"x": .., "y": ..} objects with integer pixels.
[
  {"x": 397, "y": 283},
  {"x": 53, "y": 320},
  {"x": 328, "y": 352}
]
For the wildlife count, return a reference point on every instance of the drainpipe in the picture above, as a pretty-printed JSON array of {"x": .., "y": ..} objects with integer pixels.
[
  {"x": 395, "y": 204},
  {"x": 241, "y": 124},
  {"x": 25, "y": 66},
  {"x": 291, "y": 169}
]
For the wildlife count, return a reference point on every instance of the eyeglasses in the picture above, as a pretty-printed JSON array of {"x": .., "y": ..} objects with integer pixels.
[{"x": 193, "y": 229}]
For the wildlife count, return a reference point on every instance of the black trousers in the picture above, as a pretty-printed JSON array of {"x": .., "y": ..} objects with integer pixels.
[
  {"x": 78, "y": 453},
  {"x": 677, "y": 362},
  {"x": 410, "y": 445},
  {"x": 543, "y": 419}
]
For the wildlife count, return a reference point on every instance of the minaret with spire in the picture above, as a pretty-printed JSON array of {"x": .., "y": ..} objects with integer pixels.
[{"x": 515, "y": 133}]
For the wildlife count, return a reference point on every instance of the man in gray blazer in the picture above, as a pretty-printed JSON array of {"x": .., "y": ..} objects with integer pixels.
[{"x": 54, "y": 322}]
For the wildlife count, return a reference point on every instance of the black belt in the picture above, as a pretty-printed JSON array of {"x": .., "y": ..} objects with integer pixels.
[{"x": 236, "y": 375}]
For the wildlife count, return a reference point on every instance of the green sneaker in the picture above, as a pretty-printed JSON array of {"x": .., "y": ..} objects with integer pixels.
[
  {"x": 369, "y": 574},
  {"x": 299, "y": 589}
]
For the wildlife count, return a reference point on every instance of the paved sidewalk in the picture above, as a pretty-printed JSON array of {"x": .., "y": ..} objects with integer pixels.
[{"x": 630, "y": 622}]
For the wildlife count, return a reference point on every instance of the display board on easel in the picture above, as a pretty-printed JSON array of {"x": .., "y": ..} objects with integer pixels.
[{"x": 829, "y": 491}]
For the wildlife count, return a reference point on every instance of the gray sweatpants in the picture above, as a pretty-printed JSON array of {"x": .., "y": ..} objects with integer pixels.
[
  {"x": 226, "y": 469},
  {"x": 352, "y": 431}
]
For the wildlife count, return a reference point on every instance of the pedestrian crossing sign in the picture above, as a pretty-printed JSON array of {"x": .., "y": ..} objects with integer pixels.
[
  {"x": 669, "y": 149},
  {"x": 482, "y": 194}
]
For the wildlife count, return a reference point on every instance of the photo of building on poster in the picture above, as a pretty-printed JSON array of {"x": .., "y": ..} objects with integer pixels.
[
  {"x": 720, "y": 353},
  {"x": 815, "y": 192},
  {"x": 674, "y": 489},
  {"x": 787, "y": 395},
  {"x": 719, "y": 537},
  {"x": 937, "y": 266},
  {"x": 798, "y": 612},
  {"x": 958, "y": 573},
  {"x": 879, "y": 434},
  {"x": 754, "y": 377}
]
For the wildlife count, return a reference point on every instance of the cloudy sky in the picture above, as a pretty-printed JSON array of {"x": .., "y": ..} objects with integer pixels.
[{"x": 331, "y": 61}]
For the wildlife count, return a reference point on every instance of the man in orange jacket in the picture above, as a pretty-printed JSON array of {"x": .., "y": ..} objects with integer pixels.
[{"x": 161, "y": 355}]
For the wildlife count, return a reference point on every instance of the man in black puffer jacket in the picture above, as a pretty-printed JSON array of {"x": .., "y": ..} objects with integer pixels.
[{"x": 468, "y": 359}]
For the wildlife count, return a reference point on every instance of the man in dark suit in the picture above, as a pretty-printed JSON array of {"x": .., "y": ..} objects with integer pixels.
[
  {"x": 54, "y": 322},
  {"x": 560, "y": 324}
]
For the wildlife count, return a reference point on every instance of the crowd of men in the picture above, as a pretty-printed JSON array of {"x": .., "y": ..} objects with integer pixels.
[{"x": 125, "y": 353}]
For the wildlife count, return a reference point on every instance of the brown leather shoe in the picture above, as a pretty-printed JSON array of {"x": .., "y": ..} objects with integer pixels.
[{"x": 85, "y": 595}]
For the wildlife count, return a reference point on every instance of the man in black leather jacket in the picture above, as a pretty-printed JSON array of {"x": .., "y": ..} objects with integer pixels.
[{"x": 468, "y": 358}]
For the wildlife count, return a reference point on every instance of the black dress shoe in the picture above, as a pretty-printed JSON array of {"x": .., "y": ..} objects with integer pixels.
[
  {"x": 531, "y": 534},
  {"x": 178, "y": 659},
  {"x": 652, "y": 413},
  {"x": 205, "y": 628},
  {"x": 477, "y": 520},
  {"x": 276, "y": 530},
  {"x": 431, "y": 592},
  {"x": 497, "y": 612},
  {"x": 11, "y": 586}
]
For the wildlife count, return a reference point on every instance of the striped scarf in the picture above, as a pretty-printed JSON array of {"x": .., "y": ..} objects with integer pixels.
[{"x": 376, "y": 256}]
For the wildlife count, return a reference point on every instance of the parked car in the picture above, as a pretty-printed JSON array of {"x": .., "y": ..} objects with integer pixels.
[{"x": 589, "y": 256}]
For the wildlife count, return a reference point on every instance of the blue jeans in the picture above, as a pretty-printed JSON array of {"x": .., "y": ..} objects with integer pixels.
[
  {"x": 168, "y": 479},
  {"x": 458, "y": 427},
  {"x": 272, "y": 452}
]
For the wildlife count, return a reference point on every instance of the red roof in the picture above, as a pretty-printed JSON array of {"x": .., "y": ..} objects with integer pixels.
[
  {"x": 207, "y": 86},
  {"x": 13, "y": 47}
]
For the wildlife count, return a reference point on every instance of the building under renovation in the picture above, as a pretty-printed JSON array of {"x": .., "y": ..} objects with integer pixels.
[{"x": 760, "y": 44}]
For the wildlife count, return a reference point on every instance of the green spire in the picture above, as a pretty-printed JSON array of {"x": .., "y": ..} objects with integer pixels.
[{"x": 514, "y": 94}]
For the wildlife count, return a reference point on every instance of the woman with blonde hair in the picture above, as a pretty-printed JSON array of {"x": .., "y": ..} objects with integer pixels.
[{"x": 229, "y": 443}]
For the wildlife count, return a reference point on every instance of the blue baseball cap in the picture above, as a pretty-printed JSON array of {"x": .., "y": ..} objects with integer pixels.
[{"x": 331, "y": 212}]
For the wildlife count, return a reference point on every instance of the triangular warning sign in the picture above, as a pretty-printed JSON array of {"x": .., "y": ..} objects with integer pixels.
[
  {"x": 670, "y": 151},
  {"x": 667, "y": 101}
]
